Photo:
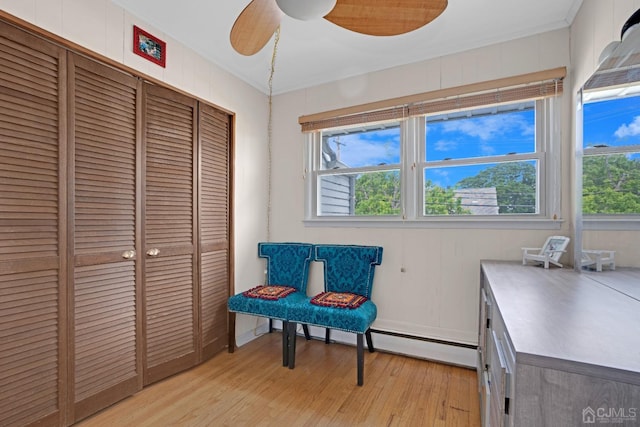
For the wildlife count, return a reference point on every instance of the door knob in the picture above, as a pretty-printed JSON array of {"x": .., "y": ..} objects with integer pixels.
[
  {"x": 128, "y": 254},
  {"x": 153, "y": 252}
]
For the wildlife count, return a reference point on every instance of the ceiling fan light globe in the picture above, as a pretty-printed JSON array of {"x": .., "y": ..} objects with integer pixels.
[{"x": 306, "y": 10}]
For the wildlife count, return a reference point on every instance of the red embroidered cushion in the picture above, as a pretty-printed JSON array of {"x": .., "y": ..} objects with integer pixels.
[
  {"x": 271, "y": 292},
  {"x": 338, "y": 299}
]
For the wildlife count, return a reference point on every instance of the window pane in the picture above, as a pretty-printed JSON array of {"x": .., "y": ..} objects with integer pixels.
[
  {"x": 491, "y": 131},
  {"x": 361, "y": 147},
  {"x": 611, "y": 184},
  {"x": 611, "y": 122},
  {"x": 482, "y": 189},
  {"x": 373, "y": 193}
]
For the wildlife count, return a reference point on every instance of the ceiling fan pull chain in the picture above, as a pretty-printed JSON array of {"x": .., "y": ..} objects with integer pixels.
[{"x": 269, "y": 131}]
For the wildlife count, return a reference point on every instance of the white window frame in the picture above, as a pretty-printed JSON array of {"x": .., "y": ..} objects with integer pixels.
[
  {"x": 320, "y": 172},
  {"x": 548, "y": 156},
  {"x": 613, "y": 222},
  {"x": 539, "y": 155}
]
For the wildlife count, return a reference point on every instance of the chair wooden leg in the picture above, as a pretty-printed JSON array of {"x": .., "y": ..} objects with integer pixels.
[
  {"x": 292, "y": 344},
  {"x": 285, "y": 343},
  {"x": 360, "y": 350},
  {"x": 327, "y": 336},
  {"x": 369, "y": 341},
  {"x": 232, "y": 332},
  {"x": 307, "y": 335}
]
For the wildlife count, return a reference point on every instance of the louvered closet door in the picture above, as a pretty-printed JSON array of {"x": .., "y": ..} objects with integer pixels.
[
  {"x": 32, "y": 242},
  {"x": 169, "y": 233},
  {"x": 214, "y": 126},
  {"x": 106, "y": 364}
]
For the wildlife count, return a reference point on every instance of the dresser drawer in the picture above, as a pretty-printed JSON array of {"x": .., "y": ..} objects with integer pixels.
[{"x": 499, "y": 376}]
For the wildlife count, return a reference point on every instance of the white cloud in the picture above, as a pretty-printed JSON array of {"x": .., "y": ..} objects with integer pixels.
[
  {"x": 369, "y": 149},
  {"x": 489, "y": 127},
  {"x": 440, "y": 177},
  {"x": 444, "y": 173},
  {"x": 487, "y": 149},
  {"x": 445, "y": 145},
  {"x": 632, "y": 129}
]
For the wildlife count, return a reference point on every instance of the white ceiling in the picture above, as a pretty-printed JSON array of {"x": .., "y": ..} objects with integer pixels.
[{"x": 314, "y": 52}]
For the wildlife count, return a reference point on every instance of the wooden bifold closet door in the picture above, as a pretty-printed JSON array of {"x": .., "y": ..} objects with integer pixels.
[
  {"x": 115, "y": 231},
  {"x": 105, "y": 357},
  {"x": 32, "y": 223},
  {"x": 215, "y": 247},
  {"x": 170, "y": 238}
]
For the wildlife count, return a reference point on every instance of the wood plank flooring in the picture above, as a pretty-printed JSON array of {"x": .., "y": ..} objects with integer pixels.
[{"x": 251, "y": 388}]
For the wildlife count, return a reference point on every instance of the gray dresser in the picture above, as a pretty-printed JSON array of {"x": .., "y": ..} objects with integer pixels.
[{"x": 557, "y": 347}]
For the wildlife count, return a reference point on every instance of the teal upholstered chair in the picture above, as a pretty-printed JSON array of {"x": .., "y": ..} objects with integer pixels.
[
  {"x": 348, "y": 281},
  {"x": 287, "y": 277}
]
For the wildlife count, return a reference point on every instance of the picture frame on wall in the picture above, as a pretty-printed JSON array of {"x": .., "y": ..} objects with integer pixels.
[{"x": 149, "y": 47}]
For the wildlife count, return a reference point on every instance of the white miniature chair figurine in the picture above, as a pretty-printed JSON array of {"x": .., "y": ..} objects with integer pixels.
[
  {"x": 598, "y": 258},
  {"x": 550, "y": 253}
]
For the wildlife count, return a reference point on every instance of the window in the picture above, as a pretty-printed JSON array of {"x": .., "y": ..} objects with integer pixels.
[
  {"x": 611, "y": 161},
  {"x": 360, "y": 171},
  {"x": 484, "y": 161},
  {"x": 487, "y": 155}
]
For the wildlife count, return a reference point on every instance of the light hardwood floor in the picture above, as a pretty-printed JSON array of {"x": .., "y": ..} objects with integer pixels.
[{"x": 251, "y": 388}]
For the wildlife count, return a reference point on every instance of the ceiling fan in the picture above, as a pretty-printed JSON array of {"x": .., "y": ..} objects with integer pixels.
[{"x": 260, "y": 19}]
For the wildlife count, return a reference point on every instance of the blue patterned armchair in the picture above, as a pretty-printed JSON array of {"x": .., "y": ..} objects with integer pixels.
[
  {"x": 287, "y": 277},
  {"x": 345, "y": 305}
]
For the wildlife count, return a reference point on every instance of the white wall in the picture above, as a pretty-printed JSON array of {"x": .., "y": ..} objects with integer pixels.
[
  {"x": 598, "y": 23},
  {"x": 105, "y": 28},
  {"x": 437, "y": 295}
]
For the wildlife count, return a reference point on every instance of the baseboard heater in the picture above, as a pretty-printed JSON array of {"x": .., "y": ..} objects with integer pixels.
[
  {"x": 418, "y": 338},
  {"x": 427, "y": 339},
  {"x": 435, "y": 349}
]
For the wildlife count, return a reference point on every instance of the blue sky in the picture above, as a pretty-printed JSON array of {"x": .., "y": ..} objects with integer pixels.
[
  {"x": 369, "y": 148},
  {"x": 489, "y": 135},
  {"x": 615, "y": 122}
]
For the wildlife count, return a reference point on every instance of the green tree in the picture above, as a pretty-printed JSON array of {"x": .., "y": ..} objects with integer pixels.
[
  {"x": 378, "y": 193},
  {"x": 442, "y": 201},
  {"x": 515, "y": 184},
  {"x": 611, "y": 185}
]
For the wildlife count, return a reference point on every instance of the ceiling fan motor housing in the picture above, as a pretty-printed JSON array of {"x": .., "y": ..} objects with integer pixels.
[{"x": 306, "y": 10}]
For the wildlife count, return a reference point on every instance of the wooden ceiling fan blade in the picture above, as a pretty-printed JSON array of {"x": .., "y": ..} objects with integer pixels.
[
  {"x": 254, "y": 26},
  {"x": 385, "y": 17}
]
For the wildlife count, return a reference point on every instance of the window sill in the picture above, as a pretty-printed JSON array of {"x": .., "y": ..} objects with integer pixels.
[
  {"x": 439, "y": 223},
  {"x": 619, "y": 224}
]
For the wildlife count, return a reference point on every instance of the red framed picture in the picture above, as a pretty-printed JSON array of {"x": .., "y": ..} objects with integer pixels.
[{"x": 149, "y": 47}]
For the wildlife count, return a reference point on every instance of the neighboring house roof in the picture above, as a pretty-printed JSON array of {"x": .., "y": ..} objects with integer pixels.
[{"x": 480, "y": 201}]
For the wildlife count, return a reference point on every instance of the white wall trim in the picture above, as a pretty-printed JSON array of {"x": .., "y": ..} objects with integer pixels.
[
  {"x": 438, "y": 352},
  {"x": 616, "y": 224},
  {"x": 427, "y": 333},
  {"x": 261, "y": 329},
  {"x": 439, "y": 223}
]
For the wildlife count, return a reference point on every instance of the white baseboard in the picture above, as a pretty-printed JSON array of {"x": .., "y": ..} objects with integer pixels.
[
  {"x": 260, "y": 329},
  {"x": 421, "y": 349}
]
